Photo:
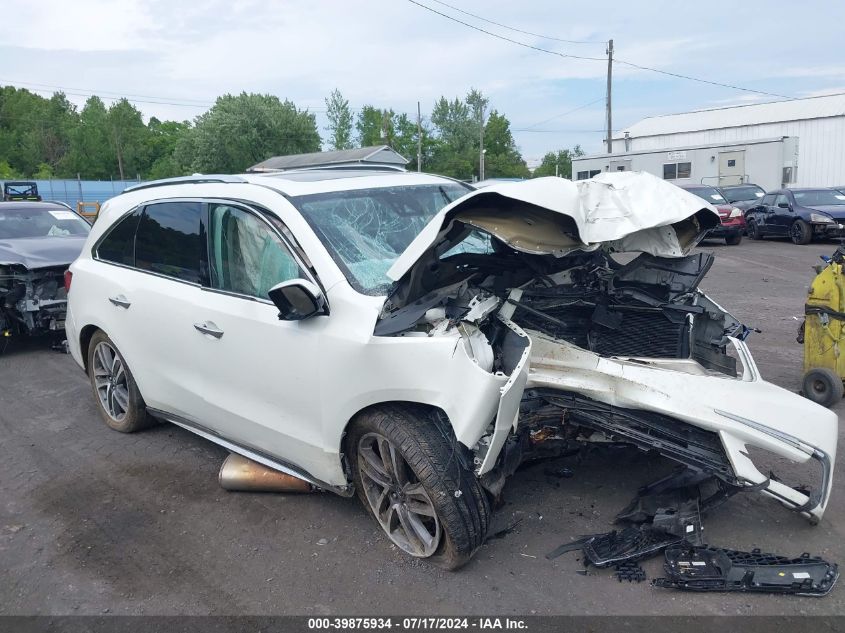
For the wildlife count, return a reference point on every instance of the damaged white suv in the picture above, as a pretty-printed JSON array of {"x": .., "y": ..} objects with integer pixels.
[{"x": 399, "y": 335}]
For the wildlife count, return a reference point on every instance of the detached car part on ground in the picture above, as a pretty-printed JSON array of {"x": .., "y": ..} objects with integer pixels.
[
  {"x": 38, "y": 241},
  {"x": 510, "y": 331}
]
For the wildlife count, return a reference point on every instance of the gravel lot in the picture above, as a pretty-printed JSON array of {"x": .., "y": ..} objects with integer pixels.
[{"x": 93, "y": 521}]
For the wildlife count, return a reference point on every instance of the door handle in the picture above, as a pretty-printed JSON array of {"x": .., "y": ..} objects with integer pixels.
[
  {"x": 120, "y": 301},
  {"x": 208, "y": 327}
]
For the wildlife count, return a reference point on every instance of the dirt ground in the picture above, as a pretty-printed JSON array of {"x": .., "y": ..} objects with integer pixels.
[{"x": 93, "y": 521}]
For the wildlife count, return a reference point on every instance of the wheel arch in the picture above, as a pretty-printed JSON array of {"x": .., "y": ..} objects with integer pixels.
[
  {"x": 85, "y": 336},
  {"x": 436, "y": 415}
]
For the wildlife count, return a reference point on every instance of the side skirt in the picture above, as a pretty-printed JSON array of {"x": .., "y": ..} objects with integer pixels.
[{"x": 250, "y": 453}]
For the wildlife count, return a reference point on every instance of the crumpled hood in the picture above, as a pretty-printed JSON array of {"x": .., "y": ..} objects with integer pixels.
[
  {"x": 41, "y": 252},
  {"x": 624, "y": 212}
]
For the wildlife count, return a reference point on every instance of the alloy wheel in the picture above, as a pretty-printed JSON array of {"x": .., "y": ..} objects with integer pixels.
[
  {"x": 110, "y": 381},
  {"x": 397, "y": 498}
]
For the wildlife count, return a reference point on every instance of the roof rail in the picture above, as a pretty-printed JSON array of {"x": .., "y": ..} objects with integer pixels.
[
  {"x": 187, "y": 180},
  {"x": 346, "y": 167}
]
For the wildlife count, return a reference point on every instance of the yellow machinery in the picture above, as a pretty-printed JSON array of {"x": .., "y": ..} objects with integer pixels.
[
  {"x": 88, "y": 210},
  {"x": 822, "y": 333}
]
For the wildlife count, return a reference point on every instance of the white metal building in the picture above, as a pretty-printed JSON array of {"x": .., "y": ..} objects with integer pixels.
[{"x": 796, "y": 143}]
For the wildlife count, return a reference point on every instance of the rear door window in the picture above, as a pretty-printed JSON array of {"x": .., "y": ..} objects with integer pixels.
[
  {"x": 170, "y": 240},
  {"x": 246, "y": 256}
]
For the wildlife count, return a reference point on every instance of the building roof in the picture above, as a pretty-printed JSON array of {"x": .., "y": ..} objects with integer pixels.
[
  {"x": 736, "y": 116},
  {"x": 375, "y": 155}
]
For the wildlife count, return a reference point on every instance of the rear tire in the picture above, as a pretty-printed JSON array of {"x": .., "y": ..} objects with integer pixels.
[
  {"x": 800, "y": 232},
  {"x": 432, "y": 479},
  {"x": 754, "y": 231},
  {"x": 823, "y": 386},
  {"x": 733, "y": 240},
  {"x": 115, "y": 392}
]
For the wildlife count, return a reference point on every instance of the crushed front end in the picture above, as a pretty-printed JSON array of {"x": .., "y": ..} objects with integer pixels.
[
  {"x": 620, "y": 349},
  {"x": 32, "y": 302}
]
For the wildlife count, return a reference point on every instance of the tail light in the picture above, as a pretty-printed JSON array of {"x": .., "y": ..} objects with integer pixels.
[{"x": 68, "y": 279}]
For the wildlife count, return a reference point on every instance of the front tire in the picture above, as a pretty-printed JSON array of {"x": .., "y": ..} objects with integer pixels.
[
  {"x": 411, "y": 478},
  {"x": 118, "y": 399},
  {"x": 800, "y": 232},
  {"x": 733, "y": 240},
  {"x": 754, "y": 231}
]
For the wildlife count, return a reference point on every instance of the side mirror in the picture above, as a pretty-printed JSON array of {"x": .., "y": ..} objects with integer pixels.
[
  {"x": 783, "y": 205},
  {"x": 298, "y": 299}
]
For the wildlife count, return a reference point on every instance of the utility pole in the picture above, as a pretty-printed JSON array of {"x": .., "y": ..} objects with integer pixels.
[
  {"x": 481, "y": 142},
  {"x": 609, "y": 82},
  {"x": 419, "y": 138}
]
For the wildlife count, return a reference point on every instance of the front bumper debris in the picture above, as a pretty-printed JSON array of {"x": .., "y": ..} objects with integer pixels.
[{"x": 713, "y": 569}]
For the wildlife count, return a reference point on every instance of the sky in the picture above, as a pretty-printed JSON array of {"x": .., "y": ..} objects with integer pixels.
[{"x": 173, "y": 58}]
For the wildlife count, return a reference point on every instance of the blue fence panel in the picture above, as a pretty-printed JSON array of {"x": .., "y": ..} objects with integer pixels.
[{"x": 71, "y": 191}]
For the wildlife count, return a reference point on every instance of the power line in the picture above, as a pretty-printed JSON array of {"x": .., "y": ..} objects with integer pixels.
[
  {"x": 704, "y": 81},
  {"x": 502, "y": 37},
  {"x": 559, "y": 131},
  {"x": 83, "y": 92},
  {"x": 618, "y": 61},
  {"x": 557, "y": 116},
  {"x": 510, "y": 28},
  {"x": 107, "y": 94}
]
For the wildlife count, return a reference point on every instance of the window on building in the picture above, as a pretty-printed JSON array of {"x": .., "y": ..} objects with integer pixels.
[
  {"x": 582, "y": 175},
  {"x": 594, "y": 172},
  {"x": 675, "y": 171}
]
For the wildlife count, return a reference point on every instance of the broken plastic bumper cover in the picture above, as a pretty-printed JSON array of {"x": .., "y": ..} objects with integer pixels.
[{"x": 712, "y": 569}]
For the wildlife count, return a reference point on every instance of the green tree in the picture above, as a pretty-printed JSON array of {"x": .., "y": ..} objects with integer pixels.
[
  {"x": 502, "y": 159},
  {"x": 559, "y": 162},
  {"x": 7, "y": 172},
  {"x": 340, "y": 121},
  {"x": 375, "y": 127},
  {"x": 455, "y": 149},
  {"x": 160, "y": 146},
  {"x": 241, "y": 130},
  {"x": 91, "y": 154},
  {"x": 126, "y": 132},
  {"x": 34, "y": 130}
]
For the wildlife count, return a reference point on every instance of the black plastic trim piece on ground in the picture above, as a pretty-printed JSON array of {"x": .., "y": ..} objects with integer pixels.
[{"x": 712, "y": 569}]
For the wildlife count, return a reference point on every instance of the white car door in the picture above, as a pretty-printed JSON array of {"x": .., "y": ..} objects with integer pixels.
[
  {"x": 158, "y": 251},
  {"x": 261, "y": 374}
]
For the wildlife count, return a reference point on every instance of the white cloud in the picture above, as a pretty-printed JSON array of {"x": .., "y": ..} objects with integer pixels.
[{"x": 392, "y": 53}]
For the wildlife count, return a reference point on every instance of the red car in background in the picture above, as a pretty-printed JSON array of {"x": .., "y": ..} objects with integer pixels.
[{"x": 733, "y": 219}]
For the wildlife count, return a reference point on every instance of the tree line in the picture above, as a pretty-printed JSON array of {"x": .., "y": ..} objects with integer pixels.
[{"x": 45, "y": 138}]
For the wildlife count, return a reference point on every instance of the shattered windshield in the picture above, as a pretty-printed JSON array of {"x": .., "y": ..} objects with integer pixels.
[
  {"x": 366, "y": 230},
  {"x": 18, "y": 223}
]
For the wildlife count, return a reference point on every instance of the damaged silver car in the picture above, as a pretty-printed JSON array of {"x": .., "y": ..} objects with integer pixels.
[
  {"x": 38, "y": 241},
  {"x": 395, "y": 335}
]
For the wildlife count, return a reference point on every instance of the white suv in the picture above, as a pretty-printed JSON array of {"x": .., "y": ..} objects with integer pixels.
[{"x": 405, "y": 337}]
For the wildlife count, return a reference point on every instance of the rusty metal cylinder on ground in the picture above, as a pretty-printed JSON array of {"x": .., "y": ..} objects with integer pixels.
[{"x": 240, "y": 473}]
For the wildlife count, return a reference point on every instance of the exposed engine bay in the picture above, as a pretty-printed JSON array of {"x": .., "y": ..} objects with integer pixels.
[
  {"x": 609, "y": 347},
  {"x": 32, "y": 302}
]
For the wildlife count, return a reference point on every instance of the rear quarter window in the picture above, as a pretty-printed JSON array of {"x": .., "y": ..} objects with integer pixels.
[{"x": 118, "y": 245}]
